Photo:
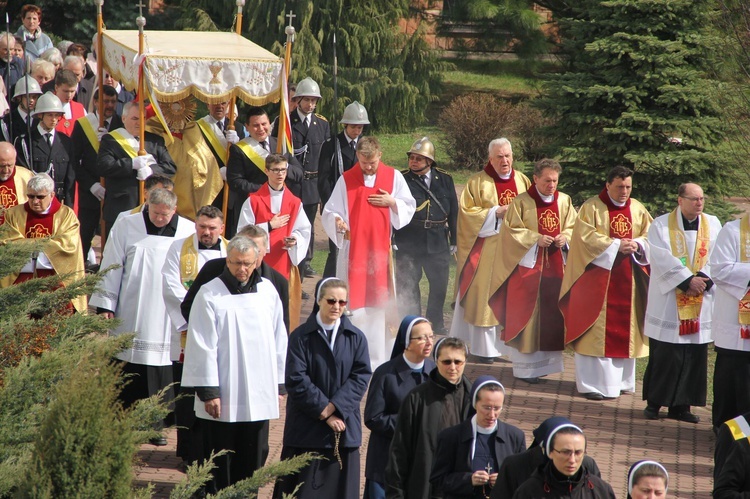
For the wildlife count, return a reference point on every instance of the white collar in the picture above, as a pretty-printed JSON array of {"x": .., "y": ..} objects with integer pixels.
[
  {"x": 546, "y": 199},
  {"x": 302, "y": 115},
  {"x": 507, "y": 176},
  {"x": 418, "y": 365},
  {"x": 475, "y": 428},
  {"x": 42, "y": 131},
  {"x": 616, "y": 203},
  {"x": 118, "y": 88}
]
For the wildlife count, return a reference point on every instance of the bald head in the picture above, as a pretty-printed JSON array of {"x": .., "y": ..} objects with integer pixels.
[{"x": 7, "y": 160}]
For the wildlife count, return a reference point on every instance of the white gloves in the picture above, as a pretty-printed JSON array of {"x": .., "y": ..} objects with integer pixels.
[
  {"x": 144, "y": 173},
  {"x": 97, "y": 190},
  {"x": 231, "y": 136},
  {"x": 223, "y": 173},
  {"x": 454, "y": 249},
  {"x": 143, "y": 161},
  {"x": 101, "y": 132}
]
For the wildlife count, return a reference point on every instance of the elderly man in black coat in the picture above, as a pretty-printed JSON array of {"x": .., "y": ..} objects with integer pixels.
[{"x": 122, "y": 168}]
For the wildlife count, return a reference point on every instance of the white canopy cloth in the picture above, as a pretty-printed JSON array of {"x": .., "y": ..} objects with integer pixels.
[{"x": 212, "y": 66}]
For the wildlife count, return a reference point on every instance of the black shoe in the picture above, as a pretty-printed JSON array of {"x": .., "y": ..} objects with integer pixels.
[
  {"x": 651, "y": 412},
  {"x": 531, "y": 381},
  {"x": 482, "y": 360},
  {"x": 158, "y": 441},
  {"x": 308, "y": 271},
  {"x": 686, "y": 416},
  {"x": 305, "y": 295},
  {"x": 593, "y": 396}
]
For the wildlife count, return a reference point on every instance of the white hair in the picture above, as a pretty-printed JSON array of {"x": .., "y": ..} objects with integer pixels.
[
  {"x": 41, "y": 182},
  {"x": 162, "y": 196},
  {"x": 242, "y": 245},
  {"x": 502, "y": 141},
  {"x": 73, "y": 59}
]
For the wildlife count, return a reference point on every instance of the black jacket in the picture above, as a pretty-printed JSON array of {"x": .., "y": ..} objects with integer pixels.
[
  {"x": 213, "y": 268},
  {"x": 317, "y": 133},
  {"x": 545, "y": 483},
  {"x": 328, "y": 167},
  {"x": 116, "y": 166},
  {"x": 451, "y": 471},
  {"x": 426, "y": 411},
  {"x": 415, "y": 237},
  {"x": 60, "y": 157},
  {"x": 733, "y": 479},
  {"x": 84, "y": 162}
]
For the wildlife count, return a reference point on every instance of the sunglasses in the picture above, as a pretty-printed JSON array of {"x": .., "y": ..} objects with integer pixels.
[
  {"x": 332, "y": 302},
  {"x": 37, "y": 196},
  {"x": 447, "y": 362}
]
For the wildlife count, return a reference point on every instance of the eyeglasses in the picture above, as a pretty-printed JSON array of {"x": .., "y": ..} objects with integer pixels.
[
  {"x": 246, "y": 265},
  {"x": 694, "y": 199},
  {"x": 491, "y": 408},
  {"x": 423, "y": 339},
  {"x": 37, "y": 196},
  {"x": 333, "y": 301},
  {"x": 447, "y": 362},
  {"x": 277, "y": 170},
  {"x": 568, "y": 453}
]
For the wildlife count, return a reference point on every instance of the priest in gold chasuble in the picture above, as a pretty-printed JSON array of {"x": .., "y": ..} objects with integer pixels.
[
  {"x": 528, "y": 273},
  {"x": 604, "y": 290}
]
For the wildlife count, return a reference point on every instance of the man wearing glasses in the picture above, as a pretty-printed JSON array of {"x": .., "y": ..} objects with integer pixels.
[
  {"x": 444, "y": 400},
  {"x": 680, "y": 307}
]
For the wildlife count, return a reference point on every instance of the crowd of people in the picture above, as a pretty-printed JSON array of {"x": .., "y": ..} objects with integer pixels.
[{"x": 220, "y": 316}]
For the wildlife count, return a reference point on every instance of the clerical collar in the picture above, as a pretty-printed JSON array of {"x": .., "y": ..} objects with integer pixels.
[
  {"x": 546, "y": 199},
  {"x": 616, "y": 203},
  {"x": 505, "y": 176},
  {"x": 216, "y": 247},
  {"x": 168, "y": 230},
  {"x": 690, "y": 224},
  {"x": 236, "y": 287},
  {"x": 275, "y": 191},
  {"x": 418, "y": 365}
]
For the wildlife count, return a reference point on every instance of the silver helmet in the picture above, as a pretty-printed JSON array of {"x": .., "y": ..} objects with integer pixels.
[{"x": 355, "y": 114}]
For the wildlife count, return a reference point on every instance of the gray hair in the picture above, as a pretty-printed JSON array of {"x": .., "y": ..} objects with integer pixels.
[
  {"x": 242, "y": 244},
  {"x": 502, "y": 141},
  {"x": 43, "y": 65},
  {"x": 77, "y": 59},
  {"x": 162, "y": 196},
  {"x": 52, "y": 55},
  {"x": 63, "y": 46},
  {"x": 127, "y": 107},
  {"x": 41, "y": 182},
  {"x": 254, "y": 231}
]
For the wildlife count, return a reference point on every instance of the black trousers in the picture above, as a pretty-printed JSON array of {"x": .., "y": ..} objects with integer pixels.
[
  {"x": 143, "y": 381},
  {"x": 311, "y": 210},
  {"x": 731, "y": 385},
  {"x": 409, "y": 267},
  {"x": 249, "y": 443},
  {"x": 676, "y": 374},
  {"x": 88, "y": 217},
  {"x": 333, "y": 254}
]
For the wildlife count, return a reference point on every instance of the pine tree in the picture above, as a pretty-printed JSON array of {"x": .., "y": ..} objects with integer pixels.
[
  {"x": 393, "y": 74},
  {"x": 634, "y": 81}
]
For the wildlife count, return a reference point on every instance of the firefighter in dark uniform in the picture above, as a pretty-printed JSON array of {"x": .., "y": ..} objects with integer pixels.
[
  {"x": 309, "y": 132},
  {"x": 336, "y": 157},
  {"x": 430, "y": 238}
]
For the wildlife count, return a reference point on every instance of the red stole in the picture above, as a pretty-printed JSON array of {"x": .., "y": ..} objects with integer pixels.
[
  {"x": 370, "y": 241},
  {"x": 620, "y": 289},
  {"x": 506, "y": 192},
  {"x": 260, "y": 203},
  {"x": 39, "y": 226},
  {"x": 66, "y": 125},
  {"x": 8, "y": 195}
]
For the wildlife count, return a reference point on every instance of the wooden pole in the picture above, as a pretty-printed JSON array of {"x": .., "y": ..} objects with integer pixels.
[
  {"x": 100, "y": 104},
  {"x": 230, "y": 122},
  {"x": 141, "y": 22}
]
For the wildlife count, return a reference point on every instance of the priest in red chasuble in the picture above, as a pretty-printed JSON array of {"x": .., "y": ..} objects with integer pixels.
[
  {"x": 604, "y": 290},
  {"x": 43, "y": 216},
  {"x": 528, "y": 273},
  {"x": 13, "y": 179},
  {"x": 368, "y": 201},
  {"x": 481, "y": 209}
]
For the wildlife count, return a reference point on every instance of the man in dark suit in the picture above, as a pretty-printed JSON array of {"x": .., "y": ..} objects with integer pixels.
[
  {"x": 123, "y": 96},
  {"x": 336, "y": 157},
  {"x": 86, "y": 138},
  {"x": 48, "y": 151},
  {"x": 15, "y": 120},
  {"x": 246, "y": 168},
  {"x": 118, "y": 162},
  {"x": 309, "y": 132},
  {"x": 430, "y": 238}
]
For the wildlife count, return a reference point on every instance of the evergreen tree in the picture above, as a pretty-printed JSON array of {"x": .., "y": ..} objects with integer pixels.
[
  {"x": 635, "y": 82},
  {"x": 393, "y": 74}
]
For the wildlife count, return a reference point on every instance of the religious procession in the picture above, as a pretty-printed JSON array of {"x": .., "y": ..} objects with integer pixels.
[{"x": 201, "y": 231}]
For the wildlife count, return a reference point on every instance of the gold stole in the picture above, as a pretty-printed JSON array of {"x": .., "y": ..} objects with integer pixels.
[
  {"x": 689, "y": 307},
  {"x": 88, "y": 129},
  {"x": 259, "y": 161},
  {"x": 221, "y": 151},
  {"x": 744, "y": 305},
  {"x": 123, "y": 141}
]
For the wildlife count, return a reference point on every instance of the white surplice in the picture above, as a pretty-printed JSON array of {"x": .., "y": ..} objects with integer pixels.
[
  {"x": 238, "y": 343},
  {"x": 372, "y": 321},
  {"x": 301, "y": 230},
  {"x": 667, "y": 271},
  {"x": 134, "y": 290},
  {"x": 173, "y": 289}
]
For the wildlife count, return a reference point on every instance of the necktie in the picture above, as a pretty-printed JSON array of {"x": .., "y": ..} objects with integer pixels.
[
  {"x": 423, "y": 178},
  {"x": 220, "y": 124},
  {"x": 417, "y": 375},
  {"x": 353, "y": 145},
  {"x": 306, "y": 123},
  {"x": 264, "y": 144},
  {"x": 48, "y": 137}
]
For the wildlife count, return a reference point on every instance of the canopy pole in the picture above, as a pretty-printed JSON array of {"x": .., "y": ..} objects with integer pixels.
[
  {"x": 230, "y": 122},
  {"x": 140, "y": 21},
  {"x": 100, "y": 104},
  {"x": 290, "y": 32}
]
